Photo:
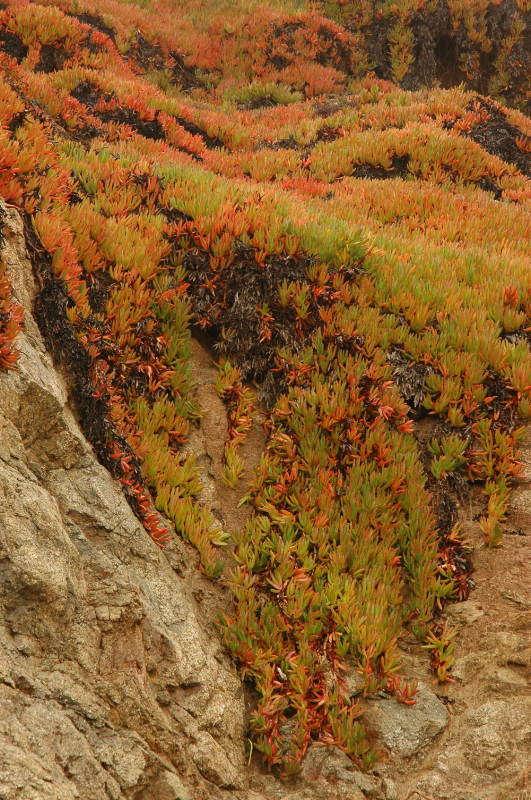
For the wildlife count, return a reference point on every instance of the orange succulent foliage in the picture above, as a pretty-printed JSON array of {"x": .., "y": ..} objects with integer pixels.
[
  {"x": 240, "y": 408},
  {"x": 11, "y": 322},
  {"x": 360, "y": 251}
]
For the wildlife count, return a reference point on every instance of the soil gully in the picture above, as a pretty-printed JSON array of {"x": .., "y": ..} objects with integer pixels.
[
  {"x": 97, "y": 22},
  {"x": 147, "y": 55},
  {"x": 498, "y": 136},
  {"x": 183, "y": 75},
  {"x": 12, "y": 45},
  {"x": 398, "y": 168},
  {"x": 207, "y": 440},
  {"x": 89, "y": 95},
  {"x": 207, "y": 443}
]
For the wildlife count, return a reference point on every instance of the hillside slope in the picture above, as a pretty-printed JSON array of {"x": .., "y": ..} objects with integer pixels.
[{"x": 322, "y": 200}]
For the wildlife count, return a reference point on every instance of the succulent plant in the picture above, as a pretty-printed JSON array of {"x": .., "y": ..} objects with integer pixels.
[{"x": 358, "y": 251}]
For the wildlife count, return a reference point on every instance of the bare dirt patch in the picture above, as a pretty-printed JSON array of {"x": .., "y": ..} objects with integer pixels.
[{"x": 11, "y": 44}]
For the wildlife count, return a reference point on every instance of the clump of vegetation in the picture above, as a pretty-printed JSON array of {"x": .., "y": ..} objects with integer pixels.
[
  {"x": 240, "y": 408},
  {"x": 360, "y": 251},
  {"x": 261, "y": 95},
  {"x": 11, "y": 322}
]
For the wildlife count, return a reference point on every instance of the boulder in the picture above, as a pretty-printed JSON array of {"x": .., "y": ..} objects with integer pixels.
[{"x": 406, "y": 730}]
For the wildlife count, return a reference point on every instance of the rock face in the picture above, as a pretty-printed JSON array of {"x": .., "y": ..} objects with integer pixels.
[
  {"x": 113, "y": 682},
  {"x": 110, "y": 688},
  {"x": 407, "y": 730}
]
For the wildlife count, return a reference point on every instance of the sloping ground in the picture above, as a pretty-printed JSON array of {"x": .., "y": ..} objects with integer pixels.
[
  {"x": 112, "y": 679},
  {"x": 359, "y": 253}
]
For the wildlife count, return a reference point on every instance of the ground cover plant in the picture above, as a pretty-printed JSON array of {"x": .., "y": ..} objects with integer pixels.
[
  {"x": 360, "y": 252},
  {"x": 11, "y": 322}
]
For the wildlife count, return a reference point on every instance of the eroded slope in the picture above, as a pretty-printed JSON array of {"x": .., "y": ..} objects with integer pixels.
[{"x": 331, "y": 230}]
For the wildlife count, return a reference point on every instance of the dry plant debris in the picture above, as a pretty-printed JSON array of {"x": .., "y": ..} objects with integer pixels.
[{"x": 360, "y": 251}]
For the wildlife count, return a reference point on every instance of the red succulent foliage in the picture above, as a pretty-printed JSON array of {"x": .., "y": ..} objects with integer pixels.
[
  {"x": 253, "y": 177},
  {"x": 11, "y": 322}
]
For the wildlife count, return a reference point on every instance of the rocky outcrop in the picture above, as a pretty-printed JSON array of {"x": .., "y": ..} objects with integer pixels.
[
  {"x": 110, "y": 687},
  {"x": 406, "y": 730}
]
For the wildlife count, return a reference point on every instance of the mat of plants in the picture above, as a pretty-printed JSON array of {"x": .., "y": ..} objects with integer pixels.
[{"x": 340, "y": 195}]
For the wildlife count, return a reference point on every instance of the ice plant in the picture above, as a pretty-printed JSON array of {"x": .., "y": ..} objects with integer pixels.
[
  {"x": 240, "y": 408},
  {"x": 358, "y": 251},
  {"x": 11, "y": 322}
]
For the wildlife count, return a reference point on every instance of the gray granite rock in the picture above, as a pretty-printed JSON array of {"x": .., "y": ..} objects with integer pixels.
[{"x": 403, "y": 729}]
